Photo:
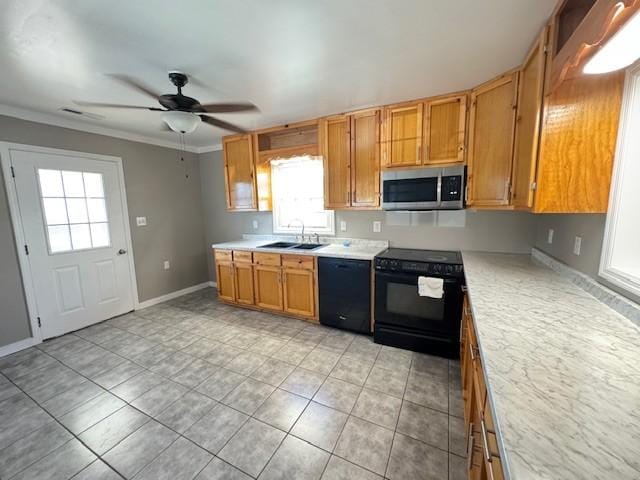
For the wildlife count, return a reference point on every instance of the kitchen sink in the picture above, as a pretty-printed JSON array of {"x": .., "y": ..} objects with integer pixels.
[
  {"x": 279, "y": 245},
  {"x": 293, "y": 246},
  {"x": 308, "y": 246}
]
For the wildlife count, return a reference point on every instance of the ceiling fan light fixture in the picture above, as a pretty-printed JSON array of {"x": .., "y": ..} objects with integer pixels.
[
  {"x": 181, "y": 122},
  {"x": 622, "y": 49}
]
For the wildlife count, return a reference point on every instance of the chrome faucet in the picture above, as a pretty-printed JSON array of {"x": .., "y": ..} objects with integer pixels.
[
  {"x": 317, "y": 237},
  {"x": 302, "y": 232}
]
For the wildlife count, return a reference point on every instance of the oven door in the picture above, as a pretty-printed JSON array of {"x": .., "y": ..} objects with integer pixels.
[{"x": 398, "y": 304}]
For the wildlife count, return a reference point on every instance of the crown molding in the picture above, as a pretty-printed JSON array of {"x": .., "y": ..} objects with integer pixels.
[{"x": 58, "y": 121}]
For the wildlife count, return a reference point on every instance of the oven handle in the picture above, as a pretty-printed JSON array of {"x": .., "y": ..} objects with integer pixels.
[{"x": 404, "y": 276}]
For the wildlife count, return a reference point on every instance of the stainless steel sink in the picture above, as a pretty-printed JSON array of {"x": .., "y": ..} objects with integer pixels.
[
  {"x": 308, "y": 246},
  {"x": 293, "y": 246}
]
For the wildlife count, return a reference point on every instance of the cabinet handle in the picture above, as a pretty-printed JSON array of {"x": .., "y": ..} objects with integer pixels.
[
  {"x": 470, "y": 446},
  {"x": 485, "y": 441},
  {"x": 472, "y": 352}
]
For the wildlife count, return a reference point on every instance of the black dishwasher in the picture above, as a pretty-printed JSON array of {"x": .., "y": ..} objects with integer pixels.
[{"x": 345, "y": 293}]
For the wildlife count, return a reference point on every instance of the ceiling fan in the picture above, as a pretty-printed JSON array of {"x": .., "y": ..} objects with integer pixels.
[{"x": 182, "y": 114}]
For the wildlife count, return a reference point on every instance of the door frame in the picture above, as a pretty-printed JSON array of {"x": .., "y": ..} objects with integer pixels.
[{"x": 19, "y": 237}]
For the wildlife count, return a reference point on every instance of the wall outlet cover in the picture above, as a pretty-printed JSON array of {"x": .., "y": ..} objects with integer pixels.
[
  {"x": 577, "y": 244},
  {"x": 377, "y": 226},
  {"x": 550, "y": 236},
  {"x": 343, "y": 226},
  {"x": 255, "y": 224},
  {"x": 141, "y": 221},
  {"x": 167, "y": 265}
]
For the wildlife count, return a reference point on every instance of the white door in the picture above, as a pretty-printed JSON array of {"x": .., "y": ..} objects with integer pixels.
[{"x": 73, "y": 220}]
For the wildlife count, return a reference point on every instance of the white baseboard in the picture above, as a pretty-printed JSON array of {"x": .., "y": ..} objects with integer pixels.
[
  {"x": 172, "y": 295},
  {"x": 213, "y": 284},
  {"x": 17, "y": 346}
]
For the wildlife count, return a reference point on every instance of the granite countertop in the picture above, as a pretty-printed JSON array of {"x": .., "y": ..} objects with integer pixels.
[
  {"x": 358, "y": 250},
  {"x": 562, "y": 369}
]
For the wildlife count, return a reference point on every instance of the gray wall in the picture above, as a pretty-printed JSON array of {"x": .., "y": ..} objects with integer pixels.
[
  {"x": 156, "y": 188},
  {"x": 488, "y": 231}
]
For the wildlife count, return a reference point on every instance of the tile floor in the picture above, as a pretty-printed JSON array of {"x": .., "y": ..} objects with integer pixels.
[{"x": 196, "y": 389}]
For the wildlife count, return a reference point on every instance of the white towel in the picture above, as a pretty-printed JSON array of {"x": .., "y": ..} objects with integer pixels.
[{"x": 430, "y": 287}]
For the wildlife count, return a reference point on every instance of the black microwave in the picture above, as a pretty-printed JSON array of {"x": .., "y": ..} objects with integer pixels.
[{"x": 436, "y": 188}]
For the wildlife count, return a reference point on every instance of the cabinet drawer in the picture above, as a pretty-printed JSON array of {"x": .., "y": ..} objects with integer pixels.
[
  {"x": 223, "y": 255},
  {"x": 298, "y": 261},
  {"x": 260, "y": 258},
  {"x": 242, "y": 256}
]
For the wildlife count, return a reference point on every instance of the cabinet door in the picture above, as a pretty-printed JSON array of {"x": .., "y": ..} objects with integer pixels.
[
  {"x": 299, "y": 296},
  {"x": 243, "y": 273},
  {"x": 224, "y": 278},
  {"x": 239, "y": 175},
  {"x": 445, "y": 122},
  {"x": 492, "y": 123},
  {"x": 527, "y": 140},
  {"x": 337, "y": 162},
  {"x": 365, "y": 159},
  {"x": 267, "y": 281},
  {"x": 403, "y": 136}
]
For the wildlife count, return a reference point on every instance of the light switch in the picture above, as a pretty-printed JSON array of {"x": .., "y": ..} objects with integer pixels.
[
  {"x": 343, "y": 226},
  {"x": 167, "y": 265},
  {"x": 550, "y": 237},
  {"x": 377, "y": 226},
  {"x": 255, "y": 224},
  {"x": 577, "y": 244},
  {"x": 141, "y": 221}
]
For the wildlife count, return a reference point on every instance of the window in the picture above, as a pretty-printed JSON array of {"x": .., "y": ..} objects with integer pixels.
[
  {"x": 620, "y": 261},
  {"x": 298, "y": 196},
  {"x": 75, "y": 211}
]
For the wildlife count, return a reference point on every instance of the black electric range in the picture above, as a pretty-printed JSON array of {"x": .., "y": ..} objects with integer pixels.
[{"x": 404, "y": 318}]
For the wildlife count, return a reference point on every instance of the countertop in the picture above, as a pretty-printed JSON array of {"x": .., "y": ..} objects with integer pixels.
[
  {"x": 359, "y": 249},
  {"x": 562, "y": 369}
]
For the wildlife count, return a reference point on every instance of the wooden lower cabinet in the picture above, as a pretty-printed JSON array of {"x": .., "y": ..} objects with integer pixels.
[
  {"x": 483, "y": 457},
  {"x": 268, "y": 286},
  {"x": 268, "y": 281}
]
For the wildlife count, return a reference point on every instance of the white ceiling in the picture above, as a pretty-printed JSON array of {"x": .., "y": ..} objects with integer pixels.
[{"x": 295, "y": 59}]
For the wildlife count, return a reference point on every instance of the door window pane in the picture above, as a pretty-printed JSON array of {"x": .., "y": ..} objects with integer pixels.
[
  {"x": 51, "y": 183},
  {"x": 75, "y": 210},
  {"x": 97, "y": 210},
  {"x": 100, "y": 234},
  {"x": 59, "y": 239},
  {"x": 93, "y": 184},
  {"x": 73, "y": 184},
  {"x": 80, "y": 236},
  {"x": 55, "y": 211}
]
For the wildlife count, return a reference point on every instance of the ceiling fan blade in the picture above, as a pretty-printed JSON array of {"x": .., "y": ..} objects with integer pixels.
[
  {"x": 115, "y": 105},
  {"x": 222, "y": 124},
  {"x": 228, "y": 107},
  {"x": 137, "y": 84}
]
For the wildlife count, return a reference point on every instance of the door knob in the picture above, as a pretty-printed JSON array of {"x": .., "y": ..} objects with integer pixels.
[{"x": 122, "y": 251}]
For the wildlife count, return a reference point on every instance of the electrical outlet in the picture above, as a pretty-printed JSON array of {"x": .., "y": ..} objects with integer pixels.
[
  {"x": 167, "y": 265},
  {"x": 141, "y": 221},
  {"x": 255, "y": 224},
  {"x": 550, "y": 237},
  {"x": 577, "y": 244},
  {"x": 377, "y": 226},
  {"x": 343, "y": 226}
]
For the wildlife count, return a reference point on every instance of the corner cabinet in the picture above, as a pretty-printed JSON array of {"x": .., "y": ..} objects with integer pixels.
[
  {"x": 351, "y": 152},
  {"x": 239, "y": 173},
  {"x": 491, "y": 124},
  {"x": 268, "y": 281}
]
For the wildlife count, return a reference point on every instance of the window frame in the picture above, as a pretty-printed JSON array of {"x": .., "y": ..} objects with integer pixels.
[
  {"x": 295, "y": 229},
  {"x": 626, "y": 144}
]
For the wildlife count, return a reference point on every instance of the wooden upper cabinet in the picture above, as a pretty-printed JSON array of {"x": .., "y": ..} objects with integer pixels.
[
  {"x": 239, "y": 172},
  {"x": 402, "y": 137},
  {"x": 365, "y": 159},
  {"x": 491, "y": 126},
  {"x": 444, "y": 130},
  {"x": 336, "y": 150},
  {"x": 527, "y": 136}
]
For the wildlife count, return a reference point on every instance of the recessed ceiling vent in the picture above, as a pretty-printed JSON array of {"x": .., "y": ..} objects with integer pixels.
[{"x": 82, "y": 114}]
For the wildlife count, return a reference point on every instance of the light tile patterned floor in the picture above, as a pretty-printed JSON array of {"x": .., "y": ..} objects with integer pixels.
[{"x": 193, "y": 388}]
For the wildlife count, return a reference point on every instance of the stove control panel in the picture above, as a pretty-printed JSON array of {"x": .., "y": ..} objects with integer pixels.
[{"x": 443, "y": 269}]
